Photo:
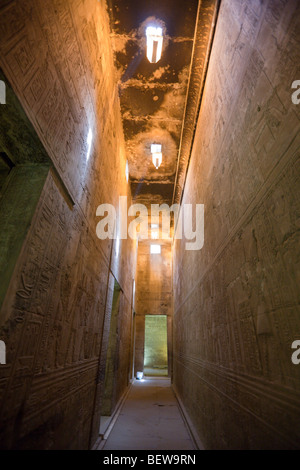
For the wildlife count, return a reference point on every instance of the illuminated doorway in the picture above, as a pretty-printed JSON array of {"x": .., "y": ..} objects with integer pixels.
[{"x": 156, "y": 348}]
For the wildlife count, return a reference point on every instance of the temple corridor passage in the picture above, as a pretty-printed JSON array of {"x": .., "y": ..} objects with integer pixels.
[
  {"x": 150, "y": 222},
  {"x": 149, "y": 419}
]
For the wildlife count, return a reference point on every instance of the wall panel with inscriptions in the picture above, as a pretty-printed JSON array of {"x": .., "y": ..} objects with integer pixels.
[
  {"x": 236, "y": 301},
  {"x": 56, "y": 56}
]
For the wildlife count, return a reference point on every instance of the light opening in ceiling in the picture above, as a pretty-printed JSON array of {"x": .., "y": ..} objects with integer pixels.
[
  {"x": 154, "y": 43},
  {"x": 155, "y": 249}
]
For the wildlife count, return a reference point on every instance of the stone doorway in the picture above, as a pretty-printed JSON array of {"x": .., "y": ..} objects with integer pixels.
[{"x": 156, "y": 346}]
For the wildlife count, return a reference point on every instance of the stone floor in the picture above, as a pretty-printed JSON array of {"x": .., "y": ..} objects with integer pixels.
[{"x": 149, "y": 419}]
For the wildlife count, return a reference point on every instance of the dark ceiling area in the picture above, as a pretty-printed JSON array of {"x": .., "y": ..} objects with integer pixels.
[{"x": 152, "y": 95}]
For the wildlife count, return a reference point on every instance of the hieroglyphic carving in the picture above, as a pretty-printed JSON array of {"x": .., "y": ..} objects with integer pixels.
[
  {"x": 56, "y": 56},
  {"x": 42, "y": 340},
  {"x": 248, "y": 178}
]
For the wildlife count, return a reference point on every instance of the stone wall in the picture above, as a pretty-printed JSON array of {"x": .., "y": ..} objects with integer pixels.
[
  {"x": 236, "y": 301},
  {"x": 56, "y": 312}
]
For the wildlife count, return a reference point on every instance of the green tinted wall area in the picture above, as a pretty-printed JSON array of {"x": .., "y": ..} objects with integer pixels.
[{"x": 156, "y": 350}]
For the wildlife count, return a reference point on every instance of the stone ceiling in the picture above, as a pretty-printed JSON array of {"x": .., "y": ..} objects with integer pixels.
[{"x": 154, "y": 96}]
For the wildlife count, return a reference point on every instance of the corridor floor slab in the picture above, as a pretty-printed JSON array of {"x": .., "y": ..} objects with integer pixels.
[{"x": 150, "y": 419}]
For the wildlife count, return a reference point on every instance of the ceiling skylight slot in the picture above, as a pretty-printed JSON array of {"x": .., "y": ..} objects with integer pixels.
[
  {"x": 156, "y": 155},
  {"x": 155, "y": 249},
  {"x": 154, "y": 43}
]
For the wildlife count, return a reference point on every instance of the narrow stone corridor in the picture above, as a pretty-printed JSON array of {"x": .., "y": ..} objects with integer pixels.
[
  {"x": 149, "y": 418},
  {"x": 150, "y": 224}
]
